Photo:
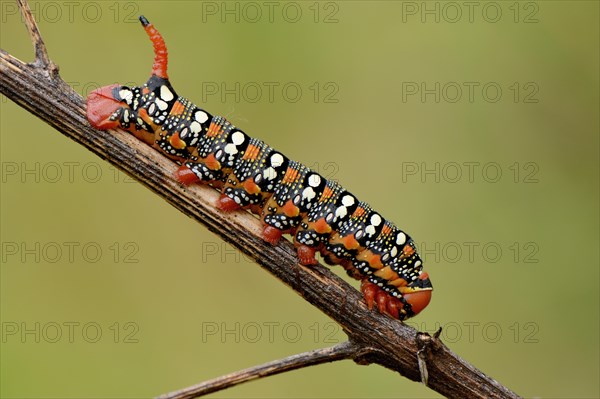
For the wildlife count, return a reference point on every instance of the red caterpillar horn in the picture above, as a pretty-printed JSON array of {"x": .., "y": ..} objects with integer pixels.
[{"x": 160, "y": 49}]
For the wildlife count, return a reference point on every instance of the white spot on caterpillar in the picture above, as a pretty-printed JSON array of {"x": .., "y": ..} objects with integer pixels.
[
  {"x": 165, "y": 93},
  {"x": 231, "y": 149},
  {"x": 126, "y": 95},
  {"x": 201, "y": 116},
  {"x": 314, "y": 180},
  {"x": 195, "y": 127},
  {"x": 270, "y": 173},
  {"x": 308, "y": 193},
  {"x": 161, "y": 104},
  {"x": 401, "y": 238},
  {"x": 348, "y": 200},
  {"x": 341, "y": 212},
  {"x": 394, "y": 252},
  {"x": 375, "y": 220},
  {"x": 237, "y": 138},
  {"x": 370, "y": 230},
  {"x": 276, "y": 160}
]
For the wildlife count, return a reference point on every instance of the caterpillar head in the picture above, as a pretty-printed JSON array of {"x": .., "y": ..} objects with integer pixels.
[
  {"x": 127, "y": 107},
  {"x": 115, "y": 106},
  {"x": 418, "y": 292}
]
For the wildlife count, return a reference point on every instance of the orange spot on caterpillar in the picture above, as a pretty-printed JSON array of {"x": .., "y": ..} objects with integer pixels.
[
  {"x": 322, "y": 227},
  {"x": 408, "y": 250},
  {"x": 359, "y": 212},
  {"x": 290, "y": 210},
  {"x": 375, "y": 261},
  {"x": 142, "y": 113},
  {"x": 386, "y": 229},
  {"x": 350, "y": 242},
  {"x": 326, "y": 194},
  {"x": 367, "y": 256},
  {"x": 251, "y": 187},
  {"x": 177, "y": 109},
  {"x": 251, "y": 152},
  {"x": 399, "y": 282},
  {"x": 211, "y": 162},
  {"x": 291, "y": 175},
  {"x": 386, "y": 273},
  {"x": 176, "y": 142},
  {"x": 214, "y": 130}
]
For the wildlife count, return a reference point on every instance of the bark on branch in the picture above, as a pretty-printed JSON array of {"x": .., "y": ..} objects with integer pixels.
[{"x": 374, "y": 338}]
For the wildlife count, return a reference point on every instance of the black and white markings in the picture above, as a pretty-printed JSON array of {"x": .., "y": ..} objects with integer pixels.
[
  {"x": 313, "y": 185},
  {"x": 273, "y": 170}
]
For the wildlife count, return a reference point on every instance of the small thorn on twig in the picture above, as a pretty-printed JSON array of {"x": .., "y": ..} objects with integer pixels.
[
  {"x": 422, "y": 366},
  {"x": 42, "y": 60},
  {"x": 424, "y": 341}
]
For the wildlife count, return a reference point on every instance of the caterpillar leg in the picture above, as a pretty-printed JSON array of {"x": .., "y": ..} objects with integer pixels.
[
  {"x": 227, "y": 204},
  {"x": 184, "y": 175},
  {"x": 412, "y": 301},
  {"x": 306, "y": 255},
  {"x": 272, "y": 235},
  {"x": 310, "y": 237},
  {"x": 385, "y": 302}
]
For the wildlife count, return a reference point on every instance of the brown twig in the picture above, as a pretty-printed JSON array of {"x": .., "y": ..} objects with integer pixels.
[
  {"x": 375, "y": 338},
  {"x": 345, "y": 350}
]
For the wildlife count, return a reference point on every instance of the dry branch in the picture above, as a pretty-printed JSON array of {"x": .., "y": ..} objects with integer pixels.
[
  {"x": 374, "y": 338},
  {"x": 345, "y": 350}
]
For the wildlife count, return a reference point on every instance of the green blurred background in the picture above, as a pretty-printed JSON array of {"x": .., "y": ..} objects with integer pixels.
[{"x": 473, "y": 127}]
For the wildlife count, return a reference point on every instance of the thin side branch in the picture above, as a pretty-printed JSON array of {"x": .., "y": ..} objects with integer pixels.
[
  {"x": 375, "y": 337},
  {"x": 345, "y": 350},
  {"x": 42, "y": 60}
]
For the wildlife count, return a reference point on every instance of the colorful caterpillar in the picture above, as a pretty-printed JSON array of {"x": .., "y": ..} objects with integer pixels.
[{"x": 289, "y": 197}]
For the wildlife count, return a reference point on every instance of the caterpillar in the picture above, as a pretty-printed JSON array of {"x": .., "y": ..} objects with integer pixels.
[{"x": 290, "y": 198}]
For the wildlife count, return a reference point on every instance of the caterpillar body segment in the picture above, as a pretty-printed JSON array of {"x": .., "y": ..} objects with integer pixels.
[{"x": 290, "y": 198}]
